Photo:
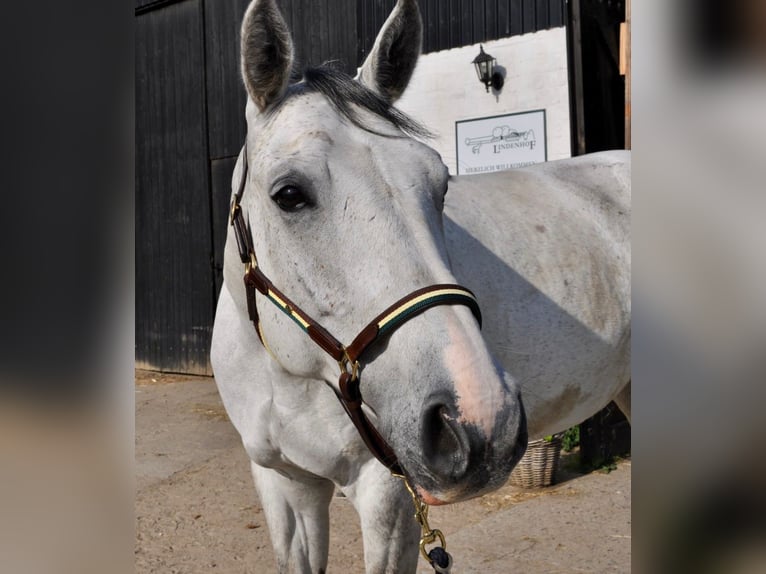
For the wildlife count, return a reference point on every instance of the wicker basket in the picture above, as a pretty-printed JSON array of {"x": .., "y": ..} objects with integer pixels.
[{"x": 538, "y": 466}]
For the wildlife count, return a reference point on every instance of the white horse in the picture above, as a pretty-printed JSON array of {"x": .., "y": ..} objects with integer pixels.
[{"x": 347, "y": 213}]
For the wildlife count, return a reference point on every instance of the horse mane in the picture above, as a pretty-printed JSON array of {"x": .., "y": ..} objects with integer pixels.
[{"x": 347, "y": 96}]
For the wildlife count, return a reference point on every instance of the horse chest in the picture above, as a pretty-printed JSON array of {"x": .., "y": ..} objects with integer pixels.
[{"x": 302, "y": 421}]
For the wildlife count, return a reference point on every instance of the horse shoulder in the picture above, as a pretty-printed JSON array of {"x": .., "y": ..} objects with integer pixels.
[{"x": 242, "y": 374}]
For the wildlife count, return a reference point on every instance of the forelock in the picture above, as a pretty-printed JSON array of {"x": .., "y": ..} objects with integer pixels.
[{"x": 348, "y": 96}]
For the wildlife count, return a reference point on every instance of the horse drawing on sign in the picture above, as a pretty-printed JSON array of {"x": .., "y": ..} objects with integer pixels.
[
  {"x": 499, "y": 134},
  {"x": 340, "y": 212}
]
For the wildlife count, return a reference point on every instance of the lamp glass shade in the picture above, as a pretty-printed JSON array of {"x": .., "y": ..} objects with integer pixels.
[
  {"x": 484, "y": 63},
  {"x": 485, "y": 73}
]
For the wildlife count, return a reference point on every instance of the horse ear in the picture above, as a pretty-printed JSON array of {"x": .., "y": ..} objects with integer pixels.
[
  {"x": 389, "y": 66},
  {"x": 267, "y": 52}
]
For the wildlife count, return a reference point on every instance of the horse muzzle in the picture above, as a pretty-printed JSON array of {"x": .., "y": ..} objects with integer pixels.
[{"x": 457, "y": 459}]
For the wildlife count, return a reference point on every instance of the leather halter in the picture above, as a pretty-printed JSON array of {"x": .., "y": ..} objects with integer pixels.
[{"x": 348, "y": 357}]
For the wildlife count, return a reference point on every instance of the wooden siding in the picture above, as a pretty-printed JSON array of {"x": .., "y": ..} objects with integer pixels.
[
  {"x": 190, "y": 127},
  {"x": 226, "y": 97},
  {"x": 323, "y": 30},
  {"x": 174, "y": 288},
  {"x": 454, "y": 23}
]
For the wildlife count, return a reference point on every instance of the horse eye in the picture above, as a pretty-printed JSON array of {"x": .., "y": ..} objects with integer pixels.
[{"x": 290, "y": 198}]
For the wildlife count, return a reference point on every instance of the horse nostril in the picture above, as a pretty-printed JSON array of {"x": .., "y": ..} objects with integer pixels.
[{"x": 444, "y": 443}]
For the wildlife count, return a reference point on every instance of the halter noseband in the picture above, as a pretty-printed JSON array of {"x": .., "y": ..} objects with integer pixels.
[{"x": 348, "y": 357}]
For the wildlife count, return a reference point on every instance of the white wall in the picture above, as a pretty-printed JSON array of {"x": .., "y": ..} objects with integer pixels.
[{"x": 445, "y": 89}]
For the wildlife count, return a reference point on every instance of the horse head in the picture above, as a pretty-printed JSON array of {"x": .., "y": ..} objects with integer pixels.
[{"x": 345, "y": 210}]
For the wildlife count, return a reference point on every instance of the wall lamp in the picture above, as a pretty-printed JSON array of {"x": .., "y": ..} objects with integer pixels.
[{"x": 485, "y": 69}]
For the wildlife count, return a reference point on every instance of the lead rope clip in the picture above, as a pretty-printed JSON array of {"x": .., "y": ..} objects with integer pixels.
[{"x": 438, "y": 557}]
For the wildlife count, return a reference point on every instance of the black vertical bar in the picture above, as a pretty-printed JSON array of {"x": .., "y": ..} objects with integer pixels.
[
  {"x": 503, "y": 19},
  {"x": 361, "y": 19},
  {"x": 490, "y": 19},
  {"x": 330, "y": 24},
  {"x": 295, "y": 26},
  {"x": 312, "y": 27},
  {"x": 349, "y": 35},
  {"x": 334, "y": 28},
  {"x": 429, "y": 13},
  {"x": 516, "y": 17},
  {"x": 542, "y": 19},
  {"x": 454, "y": 19},
  {"x": 576, "y": 104},
  {"x": 211, "y": 213},
  {"x": 444, "y": 25},
  {"x": 556, "y": 12},
  {"x": 528, "y": 19},
  {"x": 479, "y": 27},
  {"x": 433, "y": 12},
  {"x": 466, "y": 23}
]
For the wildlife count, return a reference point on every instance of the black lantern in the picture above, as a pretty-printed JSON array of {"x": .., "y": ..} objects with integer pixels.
[{"x": 485, "y": 69}]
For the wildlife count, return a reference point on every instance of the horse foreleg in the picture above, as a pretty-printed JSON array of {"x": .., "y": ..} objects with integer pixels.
[
  {"x": 623, "y": 401},
  {"x": 297, "y": 513},
  {"x": 389, "y": 530}
]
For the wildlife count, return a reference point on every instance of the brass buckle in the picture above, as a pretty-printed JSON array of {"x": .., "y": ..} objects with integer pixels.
[{"x": 344, "y": 362}]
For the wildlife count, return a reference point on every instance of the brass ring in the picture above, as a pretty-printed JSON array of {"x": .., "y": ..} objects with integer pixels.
[
  {"x": 428, "y": 539},
  {"x": 344, "y": 363}
]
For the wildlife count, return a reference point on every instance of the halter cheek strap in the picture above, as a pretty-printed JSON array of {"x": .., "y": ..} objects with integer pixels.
[{"x": 348, "y": 357}]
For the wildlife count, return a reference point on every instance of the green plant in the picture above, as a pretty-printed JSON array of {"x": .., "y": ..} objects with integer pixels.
[
  {"x": 570, "y": 439},
  {"x": 608, "y": 465}
]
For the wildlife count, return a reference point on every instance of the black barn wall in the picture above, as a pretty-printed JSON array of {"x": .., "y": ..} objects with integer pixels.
[
  {"x": 174, "y": 292},
  {"x": 598, "y": 98},
  {"x": 454, "y": 23},
  {"x": 604, "y": 87},
  {"x": 190, "y": 126}
]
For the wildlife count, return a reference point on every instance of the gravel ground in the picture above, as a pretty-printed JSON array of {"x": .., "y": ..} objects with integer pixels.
[{"x": 197, "y": 511}]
